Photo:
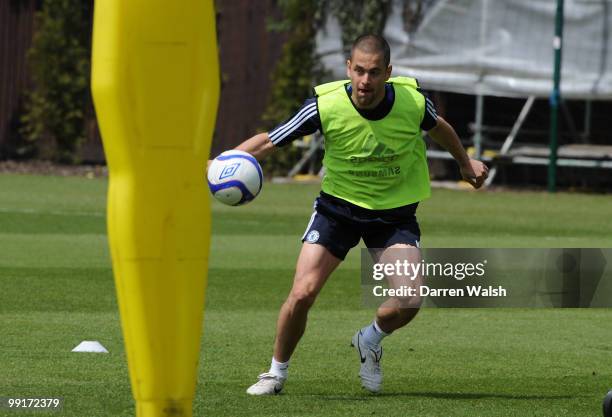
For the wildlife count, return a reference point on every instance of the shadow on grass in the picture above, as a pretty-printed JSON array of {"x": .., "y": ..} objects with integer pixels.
[{"x": 444, "y": 396}]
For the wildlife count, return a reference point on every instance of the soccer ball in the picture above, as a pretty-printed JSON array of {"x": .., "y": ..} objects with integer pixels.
[{"x": 235, "y": 177}]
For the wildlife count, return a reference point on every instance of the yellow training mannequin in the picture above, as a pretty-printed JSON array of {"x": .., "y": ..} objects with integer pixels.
[{"x": 155, "y": 82}]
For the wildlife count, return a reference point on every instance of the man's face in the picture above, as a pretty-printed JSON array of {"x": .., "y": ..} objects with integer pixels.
[{"x": 368, "y": 75}]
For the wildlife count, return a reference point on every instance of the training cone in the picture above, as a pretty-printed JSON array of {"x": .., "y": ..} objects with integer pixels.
[{"x": 90, "y": 346}]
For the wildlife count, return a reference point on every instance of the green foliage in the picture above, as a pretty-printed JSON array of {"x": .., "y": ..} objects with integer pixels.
[
  {"x": 300, "y": 68},
  {"x": 358, "y": 18},
  {"x": 294, "y": 73},
  {"x": 60, "y": 63}
]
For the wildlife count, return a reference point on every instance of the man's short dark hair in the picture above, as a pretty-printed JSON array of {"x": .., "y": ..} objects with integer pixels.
[{"x": 373, "y": 44}]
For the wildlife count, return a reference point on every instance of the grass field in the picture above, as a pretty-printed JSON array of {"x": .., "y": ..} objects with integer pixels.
[{"x": 57, "y": 290}]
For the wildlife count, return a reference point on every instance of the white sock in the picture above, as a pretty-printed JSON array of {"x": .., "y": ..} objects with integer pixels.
[
  {"x": 279, "y": 369},
  {"x": 373, "y": 334}
]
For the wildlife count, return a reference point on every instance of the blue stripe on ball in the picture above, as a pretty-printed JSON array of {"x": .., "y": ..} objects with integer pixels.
[
  {"x": 246, "y": 194},
  {"x": 249, "y": 158}
]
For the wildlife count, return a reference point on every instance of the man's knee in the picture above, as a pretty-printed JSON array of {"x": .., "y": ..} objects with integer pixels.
[{"x": 302, "y": 296}]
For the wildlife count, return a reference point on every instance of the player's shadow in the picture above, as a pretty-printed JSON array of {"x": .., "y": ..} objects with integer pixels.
[
  {"x": 446, "y": 395},
  {"x": 475, "y": 395}
]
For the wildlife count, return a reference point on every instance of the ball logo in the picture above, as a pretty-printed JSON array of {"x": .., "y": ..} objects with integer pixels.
[
  {"x": 312, "y": 236},
  {"x": 234, "y": 177},
  {"x": 229, "y": 170}
]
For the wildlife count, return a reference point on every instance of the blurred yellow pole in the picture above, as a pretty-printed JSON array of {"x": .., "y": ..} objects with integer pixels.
[{"x": 155, "y": 82}]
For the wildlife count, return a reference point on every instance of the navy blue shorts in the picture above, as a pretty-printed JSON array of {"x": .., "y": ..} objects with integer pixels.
[{"x": 339, "y": 225}]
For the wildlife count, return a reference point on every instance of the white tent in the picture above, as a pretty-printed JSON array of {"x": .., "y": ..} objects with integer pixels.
[{"x": 496, "y": 47}]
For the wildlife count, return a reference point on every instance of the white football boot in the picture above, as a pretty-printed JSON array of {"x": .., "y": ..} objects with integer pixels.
[
  {"x": 268, "y": 384},
  {"x": 370, "y": 372}
]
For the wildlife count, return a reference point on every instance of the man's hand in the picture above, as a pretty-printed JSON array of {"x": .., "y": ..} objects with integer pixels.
[
  {"x": 259, "y": 146},
  {"x": 474, "y": 172}
]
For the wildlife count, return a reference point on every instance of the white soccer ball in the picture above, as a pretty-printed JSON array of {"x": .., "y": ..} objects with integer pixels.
[{"x": 235, "y": 177}]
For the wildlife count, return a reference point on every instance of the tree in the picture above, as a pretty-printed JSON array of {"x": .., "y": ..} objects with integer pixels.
[
  {"x": 60, "y": 63},
  {"x": 299, "y": 67}
]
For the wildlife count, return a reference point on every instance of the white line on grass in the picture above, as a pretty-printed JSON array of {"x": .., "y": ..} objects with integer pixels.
[{"x": 53, "y": 212}]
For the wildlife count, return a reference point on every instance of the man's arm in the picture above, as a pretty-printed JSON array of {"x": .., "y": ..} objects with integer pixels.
[
  {"x": 259, "y": 146},
  {"x": 472, "y": 171},
  {"x": 305, "y": 121}
]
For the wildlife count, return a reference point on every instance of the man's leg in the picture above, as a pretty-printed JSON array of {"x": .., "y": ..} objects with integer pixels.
[
  {"x": 315, "y": 264},
  {"x": 393, "y": 314}
]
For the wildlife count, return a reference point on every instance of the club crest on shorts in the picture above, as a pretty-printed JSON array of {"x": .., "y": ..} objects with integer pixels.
[{"x": 312, "y": 236}]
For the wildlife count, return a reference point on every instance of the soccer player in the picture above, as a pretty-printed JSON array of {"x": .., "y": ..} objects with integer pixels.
[{"x": 375, "y": 175}]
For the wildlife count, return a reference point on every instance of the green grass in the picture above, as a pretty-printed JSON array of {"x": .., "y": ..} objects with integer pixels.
[{"x": 57, "y": 290}]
